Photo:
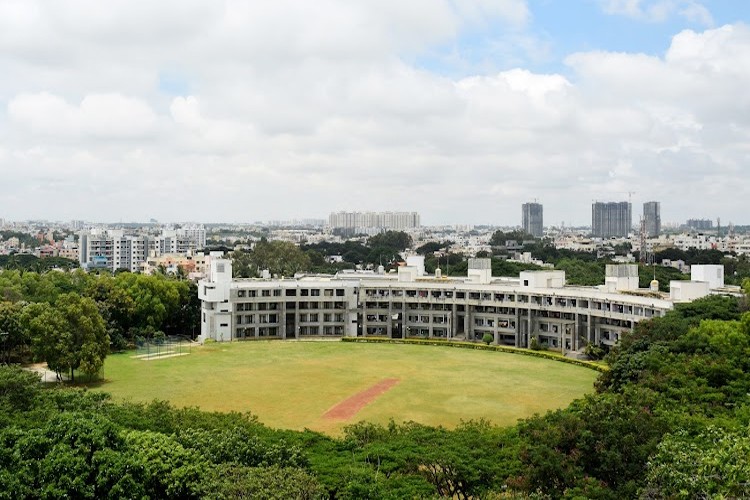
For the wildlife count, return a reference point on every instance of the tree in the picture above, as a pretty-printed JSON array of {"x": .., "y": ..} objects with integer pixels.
[
  {"x": 499, "y": 238},
  {"x": 397, "y": 240},
  {"x": 69, "y": 336},
  {"x": 12, "y": 335},
  {"x": 279, "y": 257},
  {"x": 712, "y": 465},
  {"x": 432, "y": 247},
  {"x": 488, "y": 338}
]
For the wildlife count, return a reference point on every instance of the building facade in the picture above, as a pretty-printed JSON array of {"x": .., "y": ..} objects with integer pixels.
[
  {"x": 114, "y": 249},
  {"x": 537, "y": 304},
  {"x": 652, "y": 218},
  {"x": 366, "y": 222},
  {"x": 532, "y": 219},
  {"x": 613, "y": 219},
  {"x": 700, "y": 224}
]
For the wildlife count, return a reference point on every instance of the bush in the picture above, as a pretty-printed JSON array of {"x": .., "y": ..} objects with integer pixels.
[
  {"x": 534, "y": 345},
  {"x": 488, "y": 338},
  {"x": 594, "y": 351}
]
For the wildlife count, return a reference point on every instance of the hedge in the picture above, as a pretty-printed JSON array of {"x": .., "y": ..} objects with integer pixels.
[{"x": 472, "y": 345}]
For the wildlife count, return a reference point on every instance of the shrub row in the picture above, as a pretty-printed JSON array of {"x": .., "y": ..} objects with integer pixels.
[{"x": 472, "y": 345}]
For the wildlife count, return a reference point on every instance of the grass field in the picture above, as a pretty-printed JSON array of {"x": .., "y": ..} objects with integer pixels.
[{"x": 292, "y": 384}]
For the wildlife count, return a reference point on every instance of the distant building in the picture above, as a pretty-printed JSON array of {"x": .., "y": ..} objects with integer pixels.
[
  {"x": 652, "y": 218},
  {"x": 373, "y": 222},
  {"x": 114, "y": 249},
  {"x": 532, "y": 219},
  {"x": 700, "y": 224},
  {"x": 612, "y": 219}
]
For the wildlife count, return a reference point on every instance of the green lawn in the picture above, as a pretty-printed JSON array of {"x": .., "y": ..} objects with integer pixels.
[{"x": 292, "y": 384}]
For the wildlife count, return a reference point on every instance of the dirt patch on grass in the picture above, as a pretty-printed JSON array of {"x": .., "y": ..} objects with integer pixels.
[{"x": 351, "y": 406}]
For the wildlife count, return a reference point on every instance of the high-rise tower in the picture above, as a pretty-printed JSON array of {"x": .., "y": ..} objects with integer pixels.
[
  {"x": 652, "y": 218},
  {"x": 614, "y": 219},
  {"x": 533, "y": 219}
]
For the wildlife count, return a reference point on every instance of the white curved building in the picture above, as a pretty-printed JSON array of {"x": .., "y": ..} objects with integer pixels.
[{"x": 404, "y": 304}]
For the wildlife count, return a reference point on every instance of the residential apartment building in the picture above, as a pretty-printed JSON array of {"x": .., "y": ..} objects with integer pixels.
[
  {"x": 115, "y": 249},
  {"x": 366, "y": 222},
  {"x": 532, "y": 219},
  {"x": 613, "y": 219},
  {"x": 700, "y": 224}
]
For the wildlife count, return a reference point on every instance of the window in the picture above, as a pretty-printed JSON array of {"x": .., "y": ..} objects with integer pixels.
[
  {"x": 291, "y": 292},
  {"x": 315, "y": 292}
]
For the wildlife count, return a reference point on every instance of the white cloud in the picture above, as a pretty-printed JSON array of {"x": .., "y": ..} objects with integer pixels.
[
  {"x": 291, "y": 112},
  {"x": 98, "y": 115},
  {"x": 656, "y": 11}
]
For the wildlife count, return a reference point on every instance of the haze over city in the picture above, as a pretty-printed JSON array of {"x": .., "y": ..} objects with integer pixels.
[{"x": 458, "y": 109}]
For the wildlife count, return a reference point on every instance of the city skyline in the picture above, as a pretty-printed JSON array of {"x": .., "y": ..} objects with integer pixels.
[{"x": 460, "y": 110}]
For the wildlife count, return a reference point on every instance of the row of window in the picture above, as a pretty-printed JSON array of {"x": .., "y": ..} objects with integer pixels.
[
  {"x": 509, "y": 297},
  {"x": 292, "y": 292}
]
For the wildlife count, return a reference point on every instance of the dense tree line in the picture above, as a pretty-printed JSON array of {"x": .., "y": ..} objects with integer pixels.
[
  {"x": 71, "y": 320},
  {"x": 668, "y": 420},
  {"x": 28, "y": 262},
  {"x": 283, "y": 258}
]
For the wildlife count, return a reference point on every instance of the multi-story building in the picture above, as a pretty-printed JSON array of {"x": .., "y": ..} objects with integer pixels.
[
  {"x": 366, "y": 222},
  {"x": 532, "y": 219},
  {"x": 114, "y": 249},
  {"x": 700, "y": 224},
  {"x": 652, "y": 218},
  {"x": 613, "y": 219},
  {"x": 537, "y": 304}
]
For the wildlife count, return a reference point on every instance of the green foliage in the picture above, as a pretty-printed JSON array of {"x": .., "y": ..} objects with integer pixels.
[
  {"x": 32, "y": 263},
  {"x": 580, "y": 272},
  {"x": 713, "y": 464},
  {"x": 488, "y": 338},
  {"x": 594, "y": 351},
  {"x": 282, "y": 258},
  {"x": 270, "y": 483},
  {"x": 499, "y": 238},
  {"x": 398, "y": 241},
  {"x": 13, "y": 338},
  {"x": 433, "y": 246},
  {"x": 70, "y": 335},
  {"x": 19, "y": 389},
  {"x": 663, "y": 275}
]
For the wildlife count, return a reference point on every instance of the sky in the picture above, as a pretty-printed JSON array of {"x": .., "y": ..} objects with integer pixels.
[{"x": 461, "y": 110}]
